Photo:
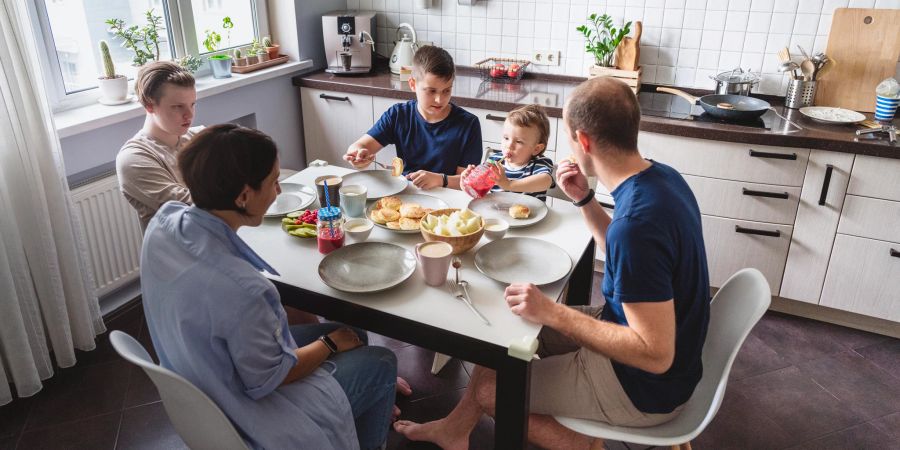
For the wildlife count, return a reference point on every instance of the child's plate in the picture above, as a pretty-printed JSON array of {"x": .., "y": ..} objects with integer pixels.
[{"x": 497, "y": 204}]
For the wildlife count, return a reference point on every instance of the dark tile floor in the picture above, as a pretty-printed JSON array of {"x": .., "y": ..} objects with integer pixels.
[{"x": 796, "y": 383}]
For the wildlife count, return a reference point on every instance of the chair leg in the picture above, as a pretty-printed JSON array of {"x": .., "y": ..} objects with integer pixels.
[
  {"x": 685, "y": 446},
  {"x": 440, "y": 360}
]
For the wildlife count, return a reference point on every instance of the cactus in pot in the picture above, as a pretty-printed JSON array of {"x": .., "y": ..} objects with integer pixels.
[
  {"x": 113, "y": 87},
  {"x": 239, "y": 59},
  {"x": 271, "y": 49}
]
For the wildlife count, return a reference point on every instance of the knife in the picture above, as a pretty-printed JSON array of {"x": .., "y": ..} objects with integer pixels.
[{"x": 462, "y": 293}]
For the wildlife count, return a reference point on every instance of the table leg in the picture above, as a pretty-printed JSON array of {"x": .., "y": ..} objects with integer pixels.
[
  {"x": 582, "y": 278},
  {"x": 511, "y": 420}
]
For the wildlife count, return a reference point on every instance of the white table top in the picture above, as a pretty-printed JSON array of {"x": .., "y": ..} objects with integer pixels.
[{"x": 297, "y": 260}]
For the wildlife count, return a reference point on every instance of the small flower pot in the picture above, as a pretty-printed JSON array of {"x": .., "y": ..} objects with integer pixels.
[
  {"x": 252, "y": 59},
  {"x": 240, "y": 62},
  {"x": 273, "y": 51},
  {"x": 221, "y": 66},
  {"x": 113, "y": 89},
  {"x": 262, "y": 56}
]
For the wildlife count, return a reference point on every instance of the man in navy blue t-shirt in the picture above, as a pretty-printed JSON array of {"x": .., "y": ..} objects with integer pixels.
[
  {"x": 436, "y": 139},
  {"x": 635, "y": 361}
]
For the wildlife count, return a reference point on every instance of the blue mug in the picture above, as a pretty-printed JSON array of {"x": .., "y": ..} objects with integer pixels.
[{"x": 885, "y": 108}]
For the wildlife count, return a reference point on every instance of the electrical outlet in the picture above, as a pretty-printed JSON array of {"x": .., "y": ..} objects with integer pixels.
[{"x": 546, "y": 57}]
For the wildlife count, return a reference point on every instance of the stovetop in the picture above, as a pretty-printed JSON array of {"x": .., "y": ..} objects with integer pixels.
[{"x": 674, "y": 107}]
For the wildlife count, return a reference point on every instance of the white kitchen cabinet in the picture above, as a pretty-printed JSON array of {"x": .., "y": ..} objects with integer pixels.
[
  {"x": 379, "y": 106},
  {"x": 732, "y": 245},
  {"x": 876, "y": 177},
  {"x": 745, "y": 201},
  {"x": 817, "y": 220},
  {"x": 871, "y": 218},
  {"x": 864, "y": 277},
  {"x": 332, "y": 121}
]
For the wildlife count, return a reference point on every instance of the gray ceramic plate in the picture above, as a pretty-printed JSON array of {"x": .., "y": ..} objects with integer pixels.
[
  {"x": 285, "y": 202},
  {"x": 425, "y": 201},
  {"x": 380, "y": 183},
  {"x": 523, "y": 260},
  {"x": 496, "y": 205},
  {"x": 367, "y": 267}
]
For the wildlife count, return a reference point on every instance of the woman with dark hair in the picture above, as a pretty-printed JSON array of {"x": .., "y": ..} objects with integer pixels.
[{"x": 217, "y": 321}]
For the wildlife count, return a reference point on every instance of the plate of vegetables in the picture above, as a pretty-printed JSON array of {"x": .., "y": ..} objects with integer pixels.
[{"x": 301, "y": 224}]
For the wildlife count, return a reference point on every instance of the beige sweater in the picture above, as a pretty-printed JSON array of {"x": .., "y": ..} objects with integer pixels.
[{"x": 148, "y": 173}]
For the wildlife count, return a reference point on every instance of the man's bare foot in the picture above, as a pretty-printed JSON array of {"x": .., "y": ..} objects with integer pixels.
[
  {"x": 403, "y": 387},
  {"x": 436, "y": 432}
]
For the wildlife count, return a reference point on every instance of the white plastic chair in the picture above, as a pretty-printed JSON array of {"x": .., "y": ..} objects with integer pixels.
[
  {"x": 734, "y": 311},
  {"x": 197, "y": 419}
]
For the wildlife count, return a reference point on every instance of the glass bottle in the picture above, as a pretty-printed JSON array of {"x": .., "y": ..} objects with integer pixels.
[
  {"x": 330, "y": 230},
  {"x": 480, "y": 180}
]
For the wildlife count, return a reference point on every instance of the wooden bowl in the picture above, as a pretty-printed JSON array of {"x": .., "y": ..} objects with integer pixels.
[{"x": 460, "y": 244}]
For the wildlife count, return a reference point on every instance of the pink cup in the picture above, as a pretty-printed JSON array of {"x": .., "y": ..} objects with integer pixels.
[{"x": 434, "y": 259}]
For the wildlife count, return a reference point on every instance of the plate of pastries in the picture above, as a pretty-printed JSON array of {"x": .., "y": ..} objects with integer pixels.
[{"x": 403, "y": 213}]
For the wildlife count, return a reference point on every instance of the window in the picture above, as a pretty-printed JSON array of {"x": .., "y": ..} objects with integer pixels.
[{"x": 72, "y": 29}]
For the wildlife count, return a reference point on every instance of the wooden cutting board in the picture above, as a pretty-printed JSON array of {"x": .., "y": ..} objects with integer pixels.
[
  {"x": 866, "y": 45},
  {"x": 628, "y": 53}
]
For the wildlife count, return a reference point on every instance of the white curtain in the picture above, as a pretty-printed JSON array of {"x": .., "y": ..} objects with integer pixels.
[{"x": 47, "y": 303}]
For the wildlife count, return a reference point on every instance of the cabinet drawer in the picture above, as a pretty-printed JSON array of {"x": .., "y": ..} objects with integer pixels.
[
  {"x": 492, "y": 126},
  {"x": 864, "y": 277},
  {"x": 871, "y": 218},
  {"x": 745, "y": 201},
  {"x": 730, "y": 247},
  {"x": 332, "y": 121},
  {"x": 727, "y": 160},
  {"x": 875, "y": 177}
]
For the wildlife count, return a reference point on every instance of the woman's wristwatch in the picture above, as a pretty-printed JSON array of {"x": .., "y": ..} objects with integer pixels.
[{"x": 329, "y": 343}]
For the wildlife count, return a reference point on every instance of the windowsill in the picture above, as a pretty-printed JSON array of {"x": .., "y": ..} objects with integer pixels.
[{"x": 91, "y": 117}]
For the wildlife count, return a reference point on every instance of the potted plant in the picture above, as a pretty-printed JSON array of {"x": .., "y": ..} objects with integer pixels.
[
  {"x": 239, "y": 59},
  {"x": 271, "y": 49},
  {"x": 190, "y": 62},
  {"x": 113, "y": 87},
  {"x": 220, "y": 64},
  {"x": 262, "y": 55},
  {"x": 601, "y": 40},
  {"x": 143, "y": 41}
]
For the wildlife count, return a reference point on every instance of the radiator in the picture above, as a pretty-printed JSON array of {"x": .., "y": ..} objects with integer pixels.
[{"x": 113, "y": 233}]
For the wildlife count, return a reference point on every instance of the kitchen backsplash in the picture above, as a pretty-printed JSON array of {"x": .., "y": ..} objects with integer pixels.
[{"x": 683, "y": 42}]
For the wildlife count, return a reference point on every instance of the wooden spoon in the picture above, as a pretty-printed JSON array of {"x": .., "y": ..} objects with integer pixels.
[{"x": 808, "y": 68}]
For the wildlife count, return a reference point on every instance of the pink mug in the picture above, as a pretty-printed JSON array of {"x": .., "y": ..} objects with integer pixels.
[{"x": 434, "y": 259}]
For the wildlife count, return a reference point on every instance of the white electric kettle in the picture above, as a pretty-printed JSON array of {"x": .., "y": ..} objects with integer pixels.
[{"x": 404, "y": 49}]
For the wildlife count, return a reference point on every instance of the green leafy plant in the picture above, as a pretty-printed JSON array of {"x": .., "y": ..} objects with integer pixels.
[
  {"x": 190, "y": 62},
  {"x": 255, "y": 47},
  {"x": 602, "y": 38},
  {"x": 212, "y": 40},
  {"x": 143, "y": 41},
  {"x": 227, "y": 25},
  {"x": 109, "y": 69}
]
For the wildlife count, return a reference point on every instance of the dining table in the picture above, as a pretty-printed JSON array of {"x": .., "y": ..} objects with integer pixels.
[{"x": 431, "y": 317}]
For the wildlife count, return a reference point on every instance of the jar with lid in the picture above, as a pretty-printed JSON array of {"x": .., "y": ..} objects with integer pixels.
[
  {"x": 480, "y": 180},
  {"x": 330, "y": 229}
]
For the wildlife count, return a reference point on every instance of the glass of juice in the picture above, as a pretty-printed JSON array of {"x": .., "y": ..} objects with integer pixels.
[
  {"x": 330, "y": 230},
  {"x": 480, "y": 181}
]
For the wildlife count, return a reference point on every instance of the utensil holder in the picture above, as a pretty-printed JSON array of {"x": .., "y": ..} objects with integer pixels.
[{"x": 800, "y": 93}]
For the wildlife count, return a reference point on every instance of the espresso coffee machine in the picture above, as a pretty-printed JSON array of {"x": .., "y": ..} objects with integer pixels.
[{"x": 349, "y": 47}]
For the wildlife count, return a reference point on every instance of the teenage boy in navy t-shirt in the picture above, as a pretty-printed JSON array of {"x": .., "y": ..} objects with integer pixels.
[{"x": 437, "y": 140}]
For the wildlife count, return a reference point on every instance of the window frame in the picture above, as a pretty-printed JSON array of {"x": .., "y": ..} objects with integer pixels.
[{"x": 178, "y": 15}]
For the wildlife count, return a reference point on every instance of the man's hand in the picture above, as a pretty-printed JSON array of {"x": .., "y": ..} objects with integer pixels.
[
  {"x": 528, "y": 301},
  {"x": 424, "y": 179},
  {"x": 500, "y": 175},
  {"x": 572, "y": 181},
  {"x": 359, "y": 157},
  {"x": 345, "y": 339}
]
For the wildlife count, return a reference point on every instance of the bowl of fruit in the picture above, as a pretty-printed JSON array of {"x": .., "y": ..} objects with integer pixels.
[
  {"x": 301, "y": 223},
  {"x": 462, "y": 229}
]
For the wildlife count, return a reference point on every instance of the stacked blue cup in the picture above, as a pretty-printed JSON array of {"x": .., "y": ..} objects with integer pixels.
[{"x": 885, "y": 108}]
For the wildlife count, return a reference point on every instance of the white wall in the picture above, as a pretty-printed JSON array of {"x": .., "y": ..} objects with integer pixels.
[{"x": 684, "y": 41}]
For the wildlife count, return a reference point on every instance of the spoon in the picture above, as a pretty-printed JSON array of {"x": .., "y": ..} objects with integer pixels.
[
  {"x": 788, "y": 66},
  {"x": 456, "y": 263},
  {"x": 808, "y": 69}
]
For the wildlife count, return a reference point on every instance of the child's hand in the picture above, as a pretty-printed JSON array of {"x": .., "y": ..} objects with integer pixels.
[
  {"x": 359, "y": 157},
  {"x": 500, "y": 175},
  {"x": 572, "y": 181},
  {"x": 424, "y": 179},
  {"x": 466, "y": 172}
]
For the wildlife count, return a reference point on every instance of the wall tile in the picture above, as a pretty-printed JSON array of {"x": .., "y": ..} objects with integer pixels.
[{"x": 683, "y": 42}]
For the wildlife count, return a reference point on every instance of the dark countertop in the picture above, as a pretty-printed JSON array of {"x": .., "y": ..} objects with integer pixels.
[{"x": 550, "y": 91}]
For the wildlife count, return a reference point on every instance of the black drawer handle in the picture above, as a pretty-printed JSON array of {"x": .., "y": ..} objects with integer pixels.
[
  {"x": 740, "y": 229},
  {"x": 495, "y": 118},
  {"x": 895, "y": 253},
  {"x": 606, "y": 205},
  {"x": 752, "y": 193},
  {"x": 756, "y": 154},
  {"x": 825, "y": 184},
  {"x": 331, "y": 97}
]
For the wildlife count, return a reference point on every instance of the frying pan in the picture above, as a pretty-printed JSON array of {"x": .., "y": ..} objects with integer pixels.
[{"x": 725, "y": 106}]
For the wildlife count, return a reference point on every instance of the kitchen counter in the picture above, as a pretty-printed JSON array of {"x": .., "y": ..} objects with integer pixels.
[{"x": 662, "y": 113}]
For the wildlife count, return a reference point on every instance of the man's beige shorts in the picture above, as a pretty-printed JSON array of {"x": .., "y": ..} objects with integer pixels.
[{"x": 573, "y": 381}]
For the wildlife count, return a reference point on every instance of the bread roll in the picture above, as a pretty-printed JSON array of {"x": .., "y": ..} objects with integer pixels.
[
  {"x": 377, "y": 217},
  {"x": 393, "y": 225},
  {"x": 391, "y": 203},
  {"x": 519, "y": 211},
  {"x": 412, "y": 211},
  {"x": 409, "y": 224},
  {"x": 390, "y": 215}
]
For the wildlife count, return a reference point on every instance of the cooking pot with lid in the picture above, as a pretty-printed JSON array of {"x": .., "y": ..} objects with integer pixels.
[{"x": 735, "y": 82}]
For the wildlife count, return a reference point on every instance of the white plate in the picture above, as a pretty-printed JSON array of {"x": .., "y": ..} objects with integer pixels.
[
  {"x": 828, "y": 114},
  {"x": 496, "y": 205},
  {"x": 523, "y": 260},
  {"x": 367, "y": 267},
  {"x": 380, "y": 183},
  {"x": 306, "y": 193},
  {"x": 284, "y": 204},
  {"x": 106, "y": 102},
  {"x": 425, "y": 201}
]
